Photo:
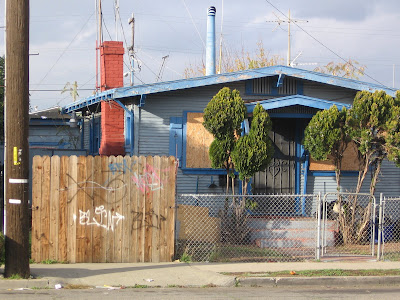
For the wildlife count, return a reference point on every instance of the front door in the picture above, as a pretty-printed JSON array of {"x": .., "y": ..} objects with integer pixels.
[{"x": 279, "y": 177}]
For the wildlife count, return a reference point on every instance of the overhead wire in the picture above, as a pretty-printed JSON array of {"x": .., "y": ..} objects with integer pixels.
[
  {"x": 61, "y": 55},
  {"x": 326, "y": 47}
]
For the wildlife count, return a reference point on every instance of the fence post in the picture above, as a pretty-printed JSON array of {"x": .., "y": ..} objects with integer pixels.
[
  {"x": 373, "y": 227},
  {"x": 318, "y": 254},
  {"x": 380, "y": 227}
]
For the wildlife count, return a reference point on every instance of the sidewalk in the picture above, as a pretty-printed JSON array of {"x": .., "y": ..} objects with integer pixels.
[{"x": 193, "y": 275}]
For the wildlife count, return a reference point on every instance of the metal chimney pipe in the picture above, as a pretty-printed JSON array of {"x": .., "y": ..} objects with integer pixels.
[{"x": 210, "y": 48}]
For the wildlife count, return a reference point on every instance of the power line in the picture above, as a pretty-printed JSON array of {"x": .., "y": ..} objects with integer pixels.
[
  {"x": 64, "y": 51},
  {"x": 326, "y": 47}
]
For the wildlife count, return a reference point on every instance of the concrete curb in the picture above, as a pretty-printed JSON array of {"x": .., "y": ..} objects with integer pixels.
[
  {"x": 12, "y": 284},
  {"x": 342, "y": 281}
]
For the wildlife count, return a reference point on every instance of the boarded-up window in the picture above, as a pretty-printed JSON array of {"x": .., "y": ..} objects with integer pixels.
[
  {"x": 198, "y": 141},
  {"x": 350, "y": 161}
]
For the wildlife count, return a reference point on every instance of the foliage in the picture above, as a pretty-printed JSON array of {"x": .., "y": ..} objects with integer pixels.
[
  {"x": 348, "y": 69},
  {"x": 326, "y": 135},
  {"x": 373, "y": 124},
  {"x": 223, "y": 117},
  {"x": 185, "y": 258},
  {"x": 236, "y": 61},
  {"x": 224, "y": 114},
  {"x": 253, "y": 152},
  {"x": 72, "y": 88}
]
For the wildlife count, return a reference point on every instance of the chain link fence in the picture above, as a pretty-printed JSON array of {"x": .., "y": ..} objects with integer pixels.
[
  {"x": 388, "y": 233},
  {"x": 348, "y": 224},
  {"x": 252, "y": 228}
]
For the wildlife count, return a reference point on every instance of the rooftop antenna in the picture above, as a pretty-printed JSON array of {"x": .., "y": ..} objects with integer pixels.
[
  {"x": 164, "y": 58},
  {"x": 288, "y": 20}
]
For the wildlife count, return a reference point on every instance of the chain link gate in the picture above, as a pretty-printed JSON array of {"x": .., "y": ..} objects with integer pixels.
[
  {"x": 251, "y": 228},
  {"x": 388, "y": 235},
  {"x": 348, "y": 225}
]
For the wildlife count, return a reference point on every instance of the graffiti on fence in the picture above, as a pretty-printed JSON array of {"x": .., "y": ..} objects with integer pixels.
[
  {"x": 150, "y": 180},
  {"x": 121, "y": 167},
  {"x": 102, "y": 218},
  {"x": 148, "y": 219}
]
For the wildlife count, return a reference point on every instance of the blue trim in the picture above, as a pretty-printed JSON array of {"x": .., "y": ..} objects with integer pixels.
[
  {"x": 175, "y": 138},
  {"x": 184, "y": 126},
  {"x": 279, "y": 82},
  {"x": 291, "y": 116},
  {"x": 305, "y": 173},
  {"x": 300, "y": 87},
  {"x": 248, "y": 87},
  {"x": 142, "y": 100},
  {"x": 295, "y": 100},
  {"x": 298, "y": 155},
  {"x": 198, "y": 171},
  {"x": 127, "y": 92},
  {"x": 332, "y": 173}
]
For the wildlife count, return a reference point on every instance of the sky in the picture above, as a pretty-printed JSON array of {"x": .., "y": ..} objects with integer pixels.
[{"x": 63, "y": 38}]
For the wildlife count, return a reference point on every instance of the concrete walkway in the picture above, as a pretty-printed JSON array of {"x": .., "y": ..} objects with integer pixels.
[{"x": 193, "y": 275}]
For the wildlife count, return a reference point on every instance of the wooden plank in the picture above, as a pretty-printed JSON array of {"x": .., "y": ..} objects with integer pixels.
[
  {"x": 134, "y": 255},
  {"x": 63, "y": 211},
  {"x": 73, "y": 214},
  {"x": 98, "y": 193},
  {"x": 88, "y": 188},
  {"x": 163, "y": 210},
  {"x": 37, "y": 170},
  {"x": 171, "y": 193},
  {"x": 103, "y": 202},
  {"x": 156, "y": 187},
  {"x": 141, "y": 208},
  {"x": 109, "y": 207},
  {"x": 54, "y": 207},
  {"x": 147, "y": 186},
  {"x": 126, "y": 223},
  {"x": 118, "y": 209},
  {"x": 81, "y": 224},
  {"x": 45, "y": 211}
]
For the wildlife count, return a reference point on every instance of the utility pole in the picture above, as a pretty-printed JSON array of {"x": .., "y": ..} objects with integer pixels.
[
  {"x": 16, "y": 139},
  {"x": 132, "y": 49},
  {"x": 288, "y": 21}
]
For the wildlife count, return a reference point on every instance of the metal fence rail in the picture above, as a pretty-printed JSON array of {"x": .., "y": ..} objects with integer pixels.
[
  {"x": 348, "y": 224},
  {"x": 221, "y": 228},
  {"x": 388, "y": 234}
]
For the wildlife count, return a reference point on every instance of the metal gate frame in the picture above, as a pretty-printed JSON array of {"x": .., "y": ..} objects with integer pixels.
[{"x": 322, "y": 222}]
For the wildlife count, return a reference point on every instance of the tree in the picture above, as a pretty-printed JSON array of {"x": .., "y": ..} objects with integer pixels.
[
  {"x": 373, "y": 127},
  {"x": 223, "y": 117},
  {"x": 72, "y": 88},
  {"x": 348, "y": 69},
  {"x": 253, "y": 152},
  {"x": 236, "y": 61},
  {"x": 326, "y": 136}
]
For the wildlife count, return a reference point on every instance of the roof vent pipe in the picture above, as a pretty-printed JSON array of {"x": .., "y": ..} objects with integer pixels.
[{"x": 210, "y": 48}]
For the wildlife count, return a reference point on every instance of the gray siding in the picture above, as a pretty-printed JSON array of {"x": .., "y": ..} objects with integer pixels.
[
  {"x": 55, "y": 136},
  {"x": 328, "y": 92}
]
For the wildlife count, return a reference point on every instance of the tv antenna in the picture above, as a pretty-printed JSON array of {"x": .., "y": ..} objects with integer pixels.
[{"x": 288, "y": 20}]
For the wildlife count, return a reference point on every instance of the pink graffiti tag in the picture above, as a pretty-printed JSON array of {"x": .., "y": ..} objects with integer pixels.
[{"x": 150, "y": 180}]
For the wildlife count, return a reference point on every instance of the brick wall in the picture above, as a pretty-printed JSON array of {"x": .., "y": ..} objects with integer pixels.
[{"x": 112, "y": 115}]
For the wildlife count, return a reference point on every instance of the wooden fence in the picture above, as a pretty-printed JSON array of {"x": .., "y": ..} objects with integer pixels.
[{"x": 103, "y": 209}]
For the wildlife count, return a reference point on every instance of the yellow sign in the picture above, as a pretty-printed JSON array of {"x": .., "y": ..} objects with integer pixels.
[{"x": 16, "y": 160}]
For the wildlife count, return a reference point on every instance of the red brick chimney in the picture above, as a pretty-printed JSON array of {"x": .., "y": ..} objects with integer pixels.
[{"x": 112, "y": 115}]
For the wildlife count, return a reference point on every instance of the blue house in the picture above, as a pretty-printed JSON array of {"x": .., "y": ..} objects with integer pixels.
[{"x": 165, "y": 118}]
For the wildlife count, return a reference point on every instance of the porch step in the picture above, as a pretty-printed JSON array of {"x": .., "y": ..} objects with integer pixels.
[{"x": 288, "y": 232}]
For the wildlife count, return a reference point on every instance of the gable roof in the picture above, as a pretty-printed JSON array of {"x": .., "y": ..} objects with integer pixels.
[
  {"x": 140, "y": 90},
  {"x": 295, "y": 100}
]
